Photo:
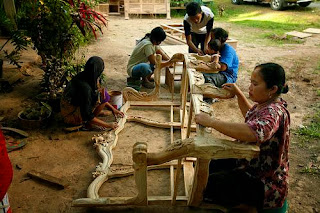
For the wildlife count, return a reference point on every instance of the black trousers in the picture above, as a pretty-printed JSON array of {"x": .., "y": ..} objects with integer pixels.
[
  {"x": 196, "y": 40},
  {"x": 230, "y": 186}
]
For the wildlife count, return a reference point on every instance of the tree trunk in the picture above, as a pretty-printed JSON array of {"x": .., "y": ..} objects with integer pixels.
[{"x": 10, "y": 10}]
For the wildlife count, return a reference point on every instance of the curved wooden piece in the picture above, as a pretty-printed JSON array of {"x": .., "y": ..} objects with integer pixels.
[
  {"x": 158, "y": 124},
  {"x": 104, "y": 143},
  {"x": 195, "y": 56},
  {"x": 178, "y": 57},
  {"x": 205, "y": 147},
  {"x": 212, "y": 91}
]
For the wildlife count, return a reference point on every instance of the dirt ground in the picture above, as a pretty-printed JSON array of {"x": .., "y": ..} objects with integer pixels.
[{"x": 71, "y": 156}]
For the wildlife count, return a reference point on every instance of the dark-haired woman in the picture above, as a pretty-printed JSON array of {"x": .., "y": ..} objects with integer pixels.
[
  {"x": 142, "y": 60},
  {"x": 228, "y": 71},
  {"x": 261, "y": 182},
  {"x": 81, "y": 102}
]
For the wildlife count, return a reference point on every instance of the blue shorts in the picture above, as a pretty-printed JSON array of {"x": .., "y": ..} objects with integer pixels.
[{"x": 142, "y": 70}]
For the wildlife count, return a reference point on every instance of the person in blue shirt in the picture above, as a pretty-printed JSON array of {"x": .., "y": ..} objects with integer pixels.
[{"x": 229, "y": 62}]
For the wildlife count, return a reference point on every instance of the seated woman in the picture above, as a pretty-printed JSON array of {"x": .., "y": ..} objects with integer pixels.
[
  {"x": 228, "y": 72},
  {"x": 262, "y": 182},
  {"x": 142, "y": 60},
  {"x": 80, "y": 104}
]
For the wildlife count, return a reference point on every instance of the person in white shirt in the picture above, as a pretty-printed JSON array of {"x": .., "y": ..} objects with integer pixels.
[{"x": 198, "y": 23}]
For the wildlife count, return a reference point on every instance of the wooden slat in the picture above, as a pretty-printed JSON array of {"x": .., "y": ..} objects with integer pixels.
[
  {"x": 154, "y": 103},
  {"x": 120, "y": 201},
  {"x": 45, "y": 178}
]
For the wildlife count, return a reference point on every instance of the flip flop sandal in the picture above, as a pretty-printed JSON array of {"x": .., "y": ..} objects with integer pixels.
[
  {"x": 73, "y": 128},
  {"x": 13, "y": 144}
]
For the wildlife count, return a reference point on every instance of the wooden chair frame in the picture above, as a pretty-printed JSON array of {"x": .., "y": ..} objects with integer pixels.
[{"x": 182, "y": 153}]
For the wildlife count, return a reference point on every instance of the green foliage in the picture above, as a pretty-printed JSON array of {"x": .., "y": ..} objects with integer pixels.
[
  {"x": 37, "y": 113},
  {"x": 16, "y": 37},
  {"x": 57, "y": 28},
  {"x": 49, "y": 25}
]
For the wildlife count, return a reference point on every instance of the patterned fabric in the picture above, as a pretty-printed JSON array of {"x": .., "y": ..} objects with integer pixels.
[
  {"x": 6, "y": 172},
  {"x": 5, "y": 205},
  {"x": 270, "y": 124},
  {"x": 71, "y": 114}
]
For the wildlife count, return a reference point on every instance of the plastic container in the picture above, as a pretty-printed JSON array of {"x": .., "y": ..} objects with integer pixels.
[{"x": 116, "y": 99}]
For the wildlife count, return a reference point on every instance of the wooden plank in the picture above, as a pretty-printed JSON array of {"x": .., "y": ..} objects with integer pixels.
[
  {"x": 150, "y": 122},
  {"x": 154, "y": 103},
  {"x": 312, "y": 30},
  {"x": 54, "y": 181},
  {"x": 166, "y": 26},
  {"x": 171, "y": 167},
  {"x": 170, "y": 50},
  {"x": 176, "y": 38},
  {"x": 120, "y": 201},
  {"x": 299, "y": 34},
  {"x": 200, "y": 182}
]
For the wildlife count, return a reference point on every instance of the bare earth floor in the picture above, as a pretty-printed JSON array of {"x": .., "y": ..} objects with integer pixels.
[{"x": 71, "y": 156}]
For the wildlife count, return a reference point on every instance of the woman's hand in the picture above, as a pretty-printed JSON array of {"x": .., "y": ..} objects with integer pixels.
[
  {"x": 233, "y": 88},
  {"x": 113, "y": 125},
  {"x": 118, "y": 113},
  {"x": 203, "y": 119}
]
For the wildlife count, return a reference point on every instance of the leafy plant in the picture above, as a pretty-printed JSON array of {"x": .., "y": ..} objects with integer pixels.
[
  {"x": 57, "y": 28},
  {"x": 37, "y": 113},
  {"x": 16, "y": 37}
]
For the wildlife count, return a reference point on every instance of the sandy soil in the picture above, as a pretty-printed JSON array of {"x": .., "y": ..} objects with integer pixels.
[{"x": 70, "y": 156}]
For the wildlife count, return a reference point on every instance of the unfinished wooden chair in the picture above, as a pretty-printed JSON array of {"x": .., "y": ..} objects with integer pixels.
[{"x": 190, "y": 155}]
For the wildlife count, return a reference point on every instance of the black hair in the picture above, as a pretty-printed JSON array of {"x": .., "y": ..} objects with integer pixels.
[
  {"x": 215, "y": 45},
  {"x": 273, "y": 74},
  {"x": 157, "y": 35},
  {"x": 193, "y": 8},
  {"x": 220, "y": 34}
]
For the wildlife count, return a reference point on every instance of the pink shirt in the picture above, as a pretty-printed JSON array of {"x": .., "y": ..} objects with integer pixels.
[{"x": 270, "y": 125}]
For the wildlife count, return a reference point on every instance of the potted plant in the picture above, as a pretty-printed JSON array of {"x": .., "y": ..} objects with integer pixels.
[{"x": 35, "y": 117}]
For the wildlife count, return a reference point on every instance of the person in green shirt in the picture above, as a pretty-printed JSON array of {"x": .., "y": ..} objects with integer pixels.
[{"x": 142, "y": 60}]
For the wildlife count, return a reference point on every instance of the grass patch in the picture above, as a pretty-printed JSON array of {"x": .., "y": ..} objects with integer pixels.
[
  {"x": 283, "y": 39},
  {"x": 314, "y": 169},
  {"x": 317, "y": 71},
  {"x": 260, "y": 16},
  {"x": 312, "y": 130}
]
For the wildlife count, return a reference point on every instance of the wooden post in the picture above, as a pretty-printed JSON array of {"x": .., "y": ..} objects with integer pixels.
[
  {"x": 139, "y": 157},
  {"x": 126, "y": 9},
  {"x": 168, "y": 9},
  {"x": 10, "y": 11}
]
